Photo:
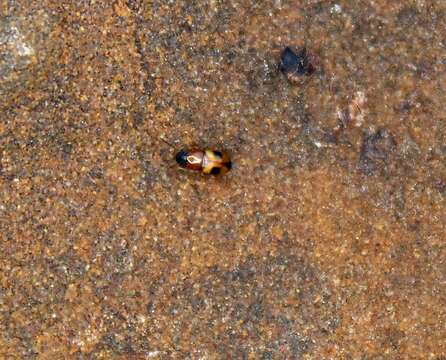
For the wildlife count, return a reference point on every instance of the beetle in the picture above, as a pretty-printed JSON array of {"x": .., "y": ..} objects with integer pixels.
[{"x": 207, "y": 161}]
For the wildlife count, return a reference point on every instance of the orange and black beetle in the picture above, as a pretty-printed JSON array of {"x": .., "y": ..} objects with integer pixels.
[{"x": 207, "y": 161}]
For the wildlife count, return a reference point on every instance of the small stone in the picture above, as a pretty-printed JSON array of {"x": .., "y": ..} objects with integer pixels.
[{"x": 295, "y": 65}]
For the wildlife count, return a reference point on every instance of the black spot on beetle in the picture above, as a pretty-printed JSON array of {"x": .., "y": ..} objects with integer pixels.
[
  {"x": 215, "y": 170},
  {"x": 218, "y": 153},
  {"x": 181, "y": 158}
]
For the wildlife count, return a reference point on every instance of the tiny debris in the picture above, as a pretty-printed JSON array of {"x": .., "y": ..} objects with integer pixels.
[
  {"x": 154, "y": 353},
  {"x": 336, "y": 9},
  {"x": 353, "y": 115},
  {"x": 375, "y": 150},
  {"x": 357, "y": 108},
  {"x": 295, "y": 65}
]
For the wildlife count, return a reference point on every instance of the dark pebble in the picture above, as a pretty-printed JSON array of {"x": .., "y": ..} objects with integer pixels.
[{"x": 295, "y": 65}]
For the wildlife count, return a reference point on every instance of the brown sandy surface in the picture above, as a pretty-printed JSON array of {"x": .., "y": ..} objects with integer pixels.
[{"x": 326, "y": 240}]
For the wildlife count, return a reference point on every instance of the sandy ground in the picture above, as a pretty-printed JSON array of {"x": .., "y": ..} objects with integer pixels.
[{"x": 326, "y": 240}]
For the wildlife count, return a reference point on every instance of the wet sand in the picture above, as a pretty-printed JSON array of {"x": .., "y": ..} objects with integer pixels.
[{"x": 325, "y": 241}]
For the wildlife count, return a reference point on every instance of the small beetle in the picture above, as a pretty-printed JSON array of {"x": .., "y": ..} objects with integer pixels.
[{"x": 207, "y": 161}]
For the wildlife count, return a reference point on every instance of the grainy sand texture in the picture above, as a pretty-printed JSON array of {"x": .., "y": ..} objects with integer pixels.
[{"x": 325, "y": 241}]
